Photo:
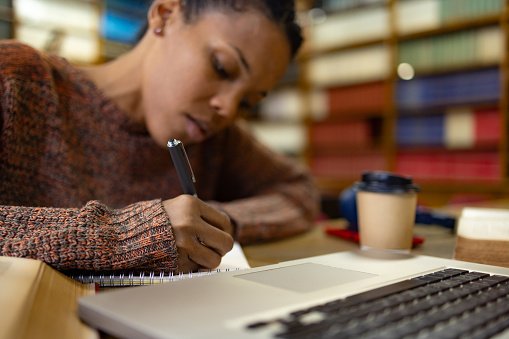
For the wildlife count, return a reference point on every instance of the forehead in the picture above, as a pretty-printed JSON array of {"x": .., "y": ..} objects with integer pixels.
[{"x": 262, "y": 43}]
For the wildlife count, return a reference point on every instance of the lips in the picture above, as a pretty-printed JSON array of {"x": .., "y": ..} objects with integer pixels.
[{"x": 197, "y": 129}]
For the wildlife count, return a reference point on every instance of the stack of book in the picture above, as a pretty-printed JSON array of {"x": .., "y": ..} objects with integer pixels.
[
  {"x": 451, "y": 166},
  {"x": 422, "y": 15},
  {"x": 357, "y": 99},
  {"x": 358, "y": 65},
  {"x": 454, "y": 50},
  {"x": 326, "y": 138},
  {"x": 437, "y": 91},
  {"x": 347, "y": 141},
  {"x": 462, "y": 128},
  {"x": 347, "y": 166},
  {"x": 350, "y": 27}
]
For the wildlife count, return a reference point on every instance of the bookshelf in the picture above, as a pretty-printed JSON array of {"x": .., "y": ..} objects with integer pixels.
[
  {"x": 82, "y": 31},
  {"x": 6, "y": 18},
  {"x": 417, "y": 87}
]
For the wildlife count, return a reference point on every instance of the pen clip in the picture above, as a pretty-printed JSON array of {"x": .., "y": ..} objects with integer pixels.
[
  {"x": 180, "y": 145},
  {"x": 187, "y": 160}
]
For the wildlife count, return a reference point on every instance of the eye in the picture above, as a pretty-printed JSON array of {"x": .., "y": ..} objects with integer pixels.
[
  {"x": 245, "y": 105},
  {"x": 219, "y": 69},
  {"x": 247, "y": 110}
]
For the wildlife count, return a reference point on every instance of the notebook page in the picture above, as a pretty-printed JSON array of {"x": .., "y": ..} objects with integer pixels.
[{"x": 235, "y": 259}]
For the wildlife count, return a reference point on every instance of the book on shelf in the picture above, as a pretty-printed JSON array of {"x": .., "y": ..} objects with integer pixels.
[
  {"x": 283, "y": 104},
  {"x": 465, "y": 48},
  {"x": 480, "y": 86},
  {"x": 68, "y": 28},
  {"x": 5, "y": 30},
  {"x": 461, "y": 10},
  {"x": 6, "y": 20},
  {"x": 420, "y": 130},
  {"x": 361, "y": 98},
  {"x": 289, "y": 138},
  {"x": 451, "y": 166},
  {"x": 352, "y": 134},
  {"x": 37, "y": 301},
  {"x": 359, "y": 65},
  {"x": 417, "y": 16},
  {"x": 423, "y": 15},
  {"x": 354, "y": 26},
  {"x": 459, "y": 129},
  {"x": 347, "y": 166},
  {"x": 123, "y": 21},
  {"x": 487, "y": 127},
  {"x": 342, "y": 5},
  {"x": 456, "y": 128}
]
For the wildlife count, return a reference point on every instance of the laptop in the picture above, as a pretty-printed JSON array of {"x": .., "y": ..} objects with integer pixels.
[{"x": 357, "y": 294}]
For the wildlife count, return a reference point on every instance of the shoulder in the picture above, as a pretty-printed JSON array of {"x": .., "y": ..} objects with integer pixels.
[
  {"x": 22, "y": 62},
  {"x": 12, "y": 48}
]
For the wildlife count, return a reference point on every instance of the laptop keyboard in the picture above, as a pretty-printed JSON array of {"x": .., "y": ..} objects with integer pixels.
[{"x": 450, "y": 303}]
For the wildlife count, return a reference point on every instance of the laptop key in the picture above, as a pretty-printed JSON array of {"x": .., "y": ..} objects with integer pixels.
[{"x": 448, "y": 305}]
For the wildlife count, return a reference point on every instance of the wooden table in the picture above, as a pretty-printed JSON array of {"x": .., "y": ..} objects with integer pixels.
[{"x": 439, "y": 242}]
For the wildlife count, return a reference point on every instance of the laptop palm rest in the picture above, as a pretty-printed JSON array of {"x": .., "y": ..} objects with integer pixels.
[{"x": 306, "y": 277}]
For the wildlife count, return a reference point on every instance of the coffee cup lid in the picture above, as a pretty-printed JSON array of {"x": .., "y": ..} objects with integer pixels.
[{"x": 386, "y": 182}]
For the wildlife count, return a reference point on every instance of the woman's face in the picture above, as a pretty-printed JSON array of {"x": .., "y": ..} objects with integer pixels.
[{"x": 198, "y": 76}]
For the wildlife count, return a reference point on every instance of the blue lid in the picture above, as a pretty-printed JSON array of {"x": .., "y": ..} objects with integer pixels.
[{"x": 386, "y": 182}]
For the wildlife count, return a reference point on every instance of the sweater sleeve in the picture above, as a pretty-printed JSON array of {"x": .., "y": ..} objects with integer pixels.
[
  {"x": 276, "y": 196},
  {"x": 93, "y": 237}
]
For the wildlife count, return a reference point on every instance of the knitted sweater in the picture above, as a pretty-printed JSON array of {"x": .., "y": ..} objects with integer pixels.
[{"x": 81, "y": 185}]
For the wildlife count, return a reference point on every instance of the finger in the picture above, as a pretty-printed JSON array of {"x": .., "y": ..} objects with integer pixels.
[
  {"x": 215, "y": 217},
  {"x": 185, "y": 264},
  {"x": 214, "y": 238},
  {"x": 205, "y": 256}
]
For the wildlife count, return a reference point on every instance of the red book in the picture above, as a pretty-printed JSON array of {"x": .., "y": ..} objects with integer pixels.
[
  {"x": 355, "y": 134},
  {"x": 368, "y": 97},
  {"x": 488, "y": 127},
  {"x": 347, "y": 166},
  {"x": 478, "y": 166}
]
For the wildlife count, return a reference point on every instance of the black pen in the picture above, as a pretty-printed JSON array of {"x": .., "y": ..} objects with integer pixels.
[{"x": 182, "y": 165}]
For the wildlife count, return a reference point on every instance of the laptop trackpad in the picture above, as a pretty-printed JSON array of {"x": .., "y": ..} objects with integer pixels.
[{"x": 306, "y": 277}]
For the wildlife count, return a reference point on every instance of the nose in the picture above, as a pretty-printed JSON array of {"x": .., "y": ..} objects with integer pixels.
[{"x": 225, "y": 105}]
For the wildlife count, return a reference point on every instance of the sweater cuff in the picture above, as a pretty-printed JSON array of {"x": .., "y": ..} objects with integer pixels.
[{"x": 145, "y": 237}]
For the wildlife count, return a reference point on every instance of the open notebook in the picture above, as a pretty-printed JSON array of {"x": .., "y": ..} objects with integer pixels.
[
  {"x": 233, "y": 261},
  {"x": 358, "y": 294}
]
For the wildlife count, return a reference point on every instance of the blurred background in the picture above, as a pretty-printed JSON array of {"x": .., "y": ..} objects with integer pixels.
[{"x": 416, "y": 87}]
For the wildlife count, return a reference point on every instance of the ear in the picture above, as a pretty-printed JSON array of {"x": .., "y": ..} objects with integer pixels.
[{"x": 162, "y": 13}]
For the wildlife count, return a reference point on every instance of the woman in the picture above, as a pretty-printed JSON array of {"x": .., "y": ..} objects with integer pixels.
[{"x": 86, "y": 181}]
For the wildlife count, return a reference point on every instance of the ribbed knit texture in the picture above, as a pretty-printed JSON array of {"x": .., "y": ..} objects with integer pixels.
[
  {"x": 126, "y": 238},
  {"x": 71, "y": 161}
]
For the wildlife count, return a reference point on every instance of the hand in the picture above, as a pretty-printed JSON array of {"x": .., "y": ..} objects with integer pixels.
[{"x": 203, "y": 234}]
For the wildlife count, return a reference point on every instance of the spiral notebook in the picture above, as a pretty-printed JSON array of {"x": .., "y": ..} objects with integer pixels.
[{"x": 233, "y": 261}]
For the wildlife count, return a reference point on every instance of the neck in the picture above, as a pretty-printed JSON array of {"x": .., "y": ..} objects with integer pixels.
[{"x": 120, "y": 81}]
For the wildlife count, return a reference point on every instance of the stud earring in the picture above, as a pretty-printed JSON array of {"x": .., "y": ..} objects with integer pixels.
[{"x": 158, "y": 30}]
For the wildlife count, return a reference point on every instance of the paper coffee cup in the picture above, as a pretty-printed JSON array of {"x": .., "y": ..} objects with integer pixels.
[{"x": 386, "y": 205}]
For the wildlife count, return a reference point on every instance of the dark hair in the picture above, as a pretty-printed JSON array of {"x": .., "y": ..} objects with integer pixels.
[{"x": 281, "y": 12}]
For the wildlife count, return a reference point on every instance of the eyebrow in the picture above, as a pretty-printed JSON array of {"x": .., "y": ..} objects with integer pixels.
[
  {"x": 241, "y": 57},
  {"x": 246, "y": 65}
]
